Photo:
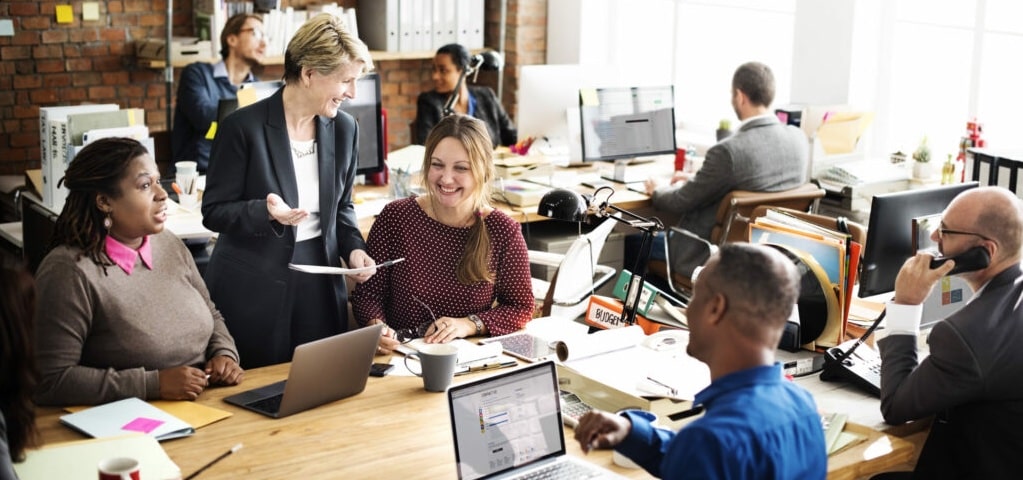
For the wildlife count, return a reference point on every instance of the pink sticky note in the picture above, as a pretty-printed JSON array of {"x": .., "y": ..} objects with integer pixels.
[{"x": 142, "y": 424}]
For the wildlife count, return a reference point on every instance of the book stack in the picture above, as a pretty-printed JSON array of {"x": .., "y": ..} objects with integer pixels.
[
  {"x": 827, "y": 260},
  {"x": 64, "y": 130}
]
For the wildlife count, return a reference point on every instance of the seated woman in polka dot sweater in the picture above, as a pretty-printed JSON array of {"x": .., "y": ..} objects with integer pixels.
[{"x": 466, "y": 268}]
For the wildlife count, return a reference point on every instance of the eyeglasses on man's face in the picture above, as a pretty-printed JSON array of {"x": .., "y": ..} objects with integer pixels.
[
  {"x": 942, "y": 231},
  {"x": 257, "y": 35}
]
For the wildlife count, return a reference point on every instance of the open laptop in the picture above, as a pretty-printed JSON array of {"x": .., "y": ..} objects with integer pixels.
[
  {"x": 508, "y": 426},
  {"x": 322, "y": 371}
]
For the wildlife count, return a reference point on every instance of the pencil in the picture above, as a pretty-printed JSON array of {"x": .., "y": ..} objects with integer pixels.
[{"x": 215, "y": 460}]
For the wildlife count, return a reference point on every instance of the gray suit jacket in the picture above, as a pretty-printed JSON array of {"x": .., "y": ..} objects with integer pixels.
[
  {"x": 972, "y": 381},
  {"x": 763, "y": 156}
]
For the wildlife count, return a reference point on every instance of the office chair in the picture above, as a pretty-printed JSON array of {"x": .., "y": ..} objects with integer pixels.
[
  {"x": 731, "y": 224},
  {"x": 37, "y": 229},
  {"x": 577, "y": 276}
]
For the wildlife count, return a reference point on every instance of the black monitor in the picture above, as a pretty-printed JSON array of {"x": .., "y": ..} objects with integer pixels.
[
  {"x": 627, "y": 122},
  {"x": 890, "y": 232},
  {"x": 367, "y": 109}
]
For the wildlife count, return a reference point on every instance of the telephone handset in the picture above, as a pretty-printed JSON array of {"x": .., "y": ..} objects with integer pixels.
[{"x": 975, "y": 258}]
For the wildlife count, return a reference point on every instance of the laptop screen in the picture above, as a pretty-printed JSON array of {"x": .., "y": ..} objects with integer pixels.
[{"x": 505, "y": 421}]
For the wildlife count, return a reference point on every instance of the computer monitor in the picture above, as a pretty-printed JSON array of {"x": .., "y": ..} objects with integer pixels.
[
  {"x": 890, "y": 232},
  {"x": 627, "y": 122},
  {"x": 367, "y": 109}
]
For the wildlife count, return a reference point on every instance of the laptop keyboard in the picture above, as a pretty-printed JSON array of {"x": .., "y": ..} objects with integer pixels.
[
  {"x": 269, "y": 404},
  {"x": 562, "y": 470}
]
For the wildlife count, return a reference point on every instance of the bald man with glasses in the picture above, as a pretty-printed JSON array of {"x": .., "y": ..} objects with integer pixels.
[
  {"x": 972, "y": 381},
  {"x": 202, "y": 86}
]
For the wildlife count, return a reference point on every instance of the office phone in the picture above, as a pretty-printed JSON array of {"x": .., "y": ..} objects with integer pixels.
[{"x": 860, "y": 365}]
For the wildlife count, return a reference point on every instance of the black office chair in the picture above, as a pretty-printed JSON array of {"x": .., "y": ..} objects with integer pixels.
[{"x": 37, "y": 224}]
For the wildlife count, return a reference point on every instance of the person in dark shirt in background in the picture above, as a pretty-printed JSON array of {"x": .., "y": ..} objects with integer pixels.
[
  {"x": 17, "y": 368},
  {"x": 203, "y": 85}
]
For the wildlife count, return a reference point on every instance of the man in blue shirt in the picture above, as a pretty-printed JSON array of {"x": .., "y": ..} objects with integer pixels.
[
  {"x": 756, "y": 423},
  {"x": 203, "y": 85}
]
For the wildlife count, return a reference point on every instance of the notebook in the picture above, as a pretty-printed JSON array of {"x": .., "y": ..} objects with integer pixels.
[
  {"x": 322, "y": 371},
  {"x": 77, "y": 460},
  {"x": 508, "y": 426},
  {"x": 126, "y": 416}
]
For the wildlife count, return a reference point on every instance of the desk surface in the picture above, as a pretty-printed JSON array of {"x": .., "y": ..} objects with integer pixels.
[{"x": 394, "y": 426}]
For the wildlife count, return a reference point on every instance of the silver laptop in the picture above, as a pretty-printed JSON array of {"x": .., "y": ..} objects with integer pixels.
[
  {"x": 322, "y": 371},
  {"x": 508, "y": 426}
]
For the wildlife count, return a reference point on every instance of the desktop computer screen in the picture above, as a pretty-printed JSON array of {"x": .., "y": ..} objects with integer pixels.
[
  {"x": 627, "y": 122},
  {"x": 890, "y": 235}
]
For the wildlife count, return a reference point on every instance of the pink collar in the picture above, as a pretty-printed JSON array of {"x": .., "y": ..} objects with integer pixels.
[{"x": 124, "y": 256}]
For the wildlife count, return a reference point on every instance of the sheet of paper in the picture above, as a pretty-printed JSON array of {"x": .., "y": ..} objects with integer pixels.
[{"x": 337, "y": 270}]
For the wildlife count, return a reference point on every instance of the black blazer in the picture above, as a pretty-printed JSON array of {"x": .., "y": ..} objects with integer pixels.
[
  {"x": 251, "y": 157},
  {"x": 430, "y": 109}
]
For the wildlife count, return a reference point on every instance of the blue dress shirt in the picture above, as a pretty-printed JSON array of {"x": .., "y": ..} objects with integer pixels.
[
  {"x": 756, "y": 425},
  {"x": 200, "y": 89}
]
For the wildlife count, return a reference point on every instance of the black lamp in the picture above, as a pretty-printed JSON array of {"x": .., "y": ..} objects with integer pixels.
[
  {"x": 485, "y": 60},
  {"x": 572, "y": 206}
]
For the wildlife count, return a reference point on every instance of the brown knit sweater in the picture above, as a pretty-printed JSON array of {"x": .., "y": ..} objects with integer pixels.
[{"x": 101, "y": 338}]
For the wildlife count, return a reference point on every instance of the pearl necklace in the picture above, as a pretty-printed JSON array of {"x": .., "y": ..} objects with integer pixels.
[{"x": 301, "y": 153}]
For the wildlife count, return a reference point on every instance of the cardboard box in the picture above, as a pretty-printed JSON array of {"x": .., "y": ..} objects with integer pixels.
[{"x": 183, "y": 49}]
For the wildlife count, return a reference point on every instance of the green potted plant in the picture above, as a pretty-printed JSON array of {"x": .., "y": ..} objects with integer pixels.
[
  {"x": 724, "y": 129},
  {"x": 922, "y": 161}
]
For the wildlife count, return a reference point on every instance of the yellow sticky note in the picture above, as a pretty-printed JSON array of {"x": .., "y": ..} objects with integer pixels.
[
  {"x": 589, "y": 97},
  {"x": 90, "y": 11},
  {"x": 65, "y": 14},
  {"x": 212, "y": 132}
]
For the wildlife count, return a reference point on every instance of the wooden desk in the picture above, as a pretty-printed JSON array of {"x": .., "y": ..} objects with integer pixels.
[{"x": 394, "y": 428}]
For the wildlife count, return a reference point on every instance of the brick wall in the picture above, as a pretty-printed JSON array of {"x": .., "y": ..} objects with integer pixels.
[{"x": 47, "y": 63}]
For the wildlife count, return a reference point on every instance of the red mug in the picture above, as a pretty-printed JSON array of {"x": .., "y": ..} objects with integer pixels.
[
  {"x": 119, "y": 468},
  {"x": 680, "y": 159}
]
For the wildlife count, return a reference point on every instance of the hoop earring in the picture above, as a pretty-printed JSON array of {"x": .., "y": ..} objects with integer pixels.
[{"x": 108, "y": 222}]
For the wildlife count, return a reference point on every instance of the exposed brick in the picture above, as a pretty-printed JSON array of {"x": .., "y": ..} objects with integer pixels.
[
  {"x": 43, "y": 97},
  {"x": 85, "y": 79},
  {"x": 27, "y": 81},
  {"x": 115, "y": 8},
  {"x": 6, "y": 97},
  {"x": 153, "y": 20},
  {"x": 95, "y": 50},
  {"x": 58, "y": 80},
  {"x": 113, "y": 34},
  {"x": 72, "y": 51},
  {"x": 116, "y": 78},
  {"x": 25, "y": 67},
  {"x": 49, "y": 66},
  {"x": 14, "y": 53},
  {"x": 47, "y": 51},
  {"x": 102, "y": 92},
  {"x": 83, "y": 35},
  {"x": 25, "y": 37},
  {"x": 75, "y": 95},
  {"x": 79, "y": 64},
  {"x": 107, "y": 64},
  {"x": 23, "y": 9},
  {"x": 36, "y": 23},
  {"x": 54, "y": 36},
  {"x": 23, "y": 140},
  {"x": 132, "y": 91}
]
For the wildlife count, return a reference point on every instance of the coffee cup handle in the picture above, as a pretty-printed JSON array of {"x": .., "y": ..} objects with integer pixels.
[{"x": 419, "y": 373}]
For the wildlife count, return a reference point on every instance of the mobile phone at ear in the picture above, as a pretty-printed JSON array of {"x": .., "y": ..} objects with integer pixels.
[
  {"x": 380, "y": 369},
  {"x": 975, "y": 258}
]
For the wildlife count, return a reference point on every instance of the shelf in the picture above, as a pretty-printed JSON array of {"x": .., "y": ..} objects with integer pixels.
[{"x": 378, "y": 56}]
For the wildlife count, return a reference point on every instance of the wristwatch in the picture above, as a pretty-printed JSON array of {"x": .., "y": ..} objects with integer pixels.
[{"x": 479, "y": 323}]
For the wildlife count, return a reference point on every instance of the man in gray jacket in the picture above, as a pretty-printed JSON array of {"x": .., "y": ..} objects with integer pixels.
[
  {"x": 970, "y": 381},
  {"x": 764, "y": 155}
]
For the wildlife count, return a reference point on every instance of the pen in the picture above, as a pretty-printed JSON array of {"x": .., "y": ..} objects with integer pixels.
[
  {"x": 215, "y": 460},
  {"x": 390, "y": 262},
  {"x": 486, "y": 366}
]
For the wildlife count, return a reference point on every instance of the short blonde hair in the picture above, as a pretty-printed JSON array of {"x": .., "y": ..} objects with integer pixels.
[{"x": 324, "y": 43}]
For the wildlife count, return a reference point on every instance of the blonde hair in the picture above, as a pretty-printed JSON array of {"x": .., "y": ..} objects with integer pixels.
[
  {"x": 324, "y": 43},
  {"x": 472, "y": 134}
]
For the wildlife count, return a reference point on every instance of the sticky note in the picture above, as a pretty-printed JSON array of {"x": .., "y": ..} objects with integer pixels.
[
  {"x": 142, "y": 424},
  {"x": 90, "y": 11},
  {"x": 6, "y": 27},
  {"x": 212, "y": 132},
  {"x": 65, "y": 14}
]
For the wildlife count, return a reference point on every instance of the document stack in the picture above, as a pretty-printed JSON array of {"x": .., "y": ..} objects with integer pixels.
[
  {"x": 64, "y": 130},
  {"x": 827, "y": 260}
]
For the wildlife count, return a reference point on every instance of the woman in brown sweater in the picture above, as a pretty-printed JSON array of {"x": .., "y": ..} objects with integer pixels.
[{"x": 123, "y": 311}]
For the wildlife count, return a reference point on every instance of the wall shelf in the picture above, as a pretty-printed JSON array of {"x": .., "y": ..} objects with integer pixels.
[{"x": 378, "y": 56}]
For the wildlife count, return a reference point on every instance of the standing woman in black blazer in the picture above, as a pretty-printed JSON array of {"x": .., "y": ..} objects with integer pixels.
[
  {"x": 279, "y": 191},
  {"x": 476, "y": 101}
]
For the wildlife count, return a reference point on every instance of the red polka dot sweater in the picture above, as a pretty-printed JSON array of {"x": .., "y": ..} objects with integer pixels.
[{"x": 431, "y": 251}]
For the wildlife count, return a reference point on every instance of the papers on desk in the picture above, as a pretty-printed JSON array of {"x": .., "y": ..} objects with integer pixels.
[
  {"x": 127, "y": 416},
  {"x": 195, "y": 414},
  {"x": 78, "y": 460},
  {"x": 864, "y": 171}
]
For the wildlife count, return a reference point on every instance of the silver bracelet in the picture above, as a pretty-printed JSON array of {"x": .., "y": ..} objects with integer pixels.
[{"x": 479, "y": 323}]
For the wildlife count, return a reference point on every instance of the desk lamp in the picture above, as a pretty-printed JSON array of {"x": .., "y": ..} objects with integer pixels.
[
  {"x": 571, "y": 206},
  {"x": 486, "y": 60}
]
